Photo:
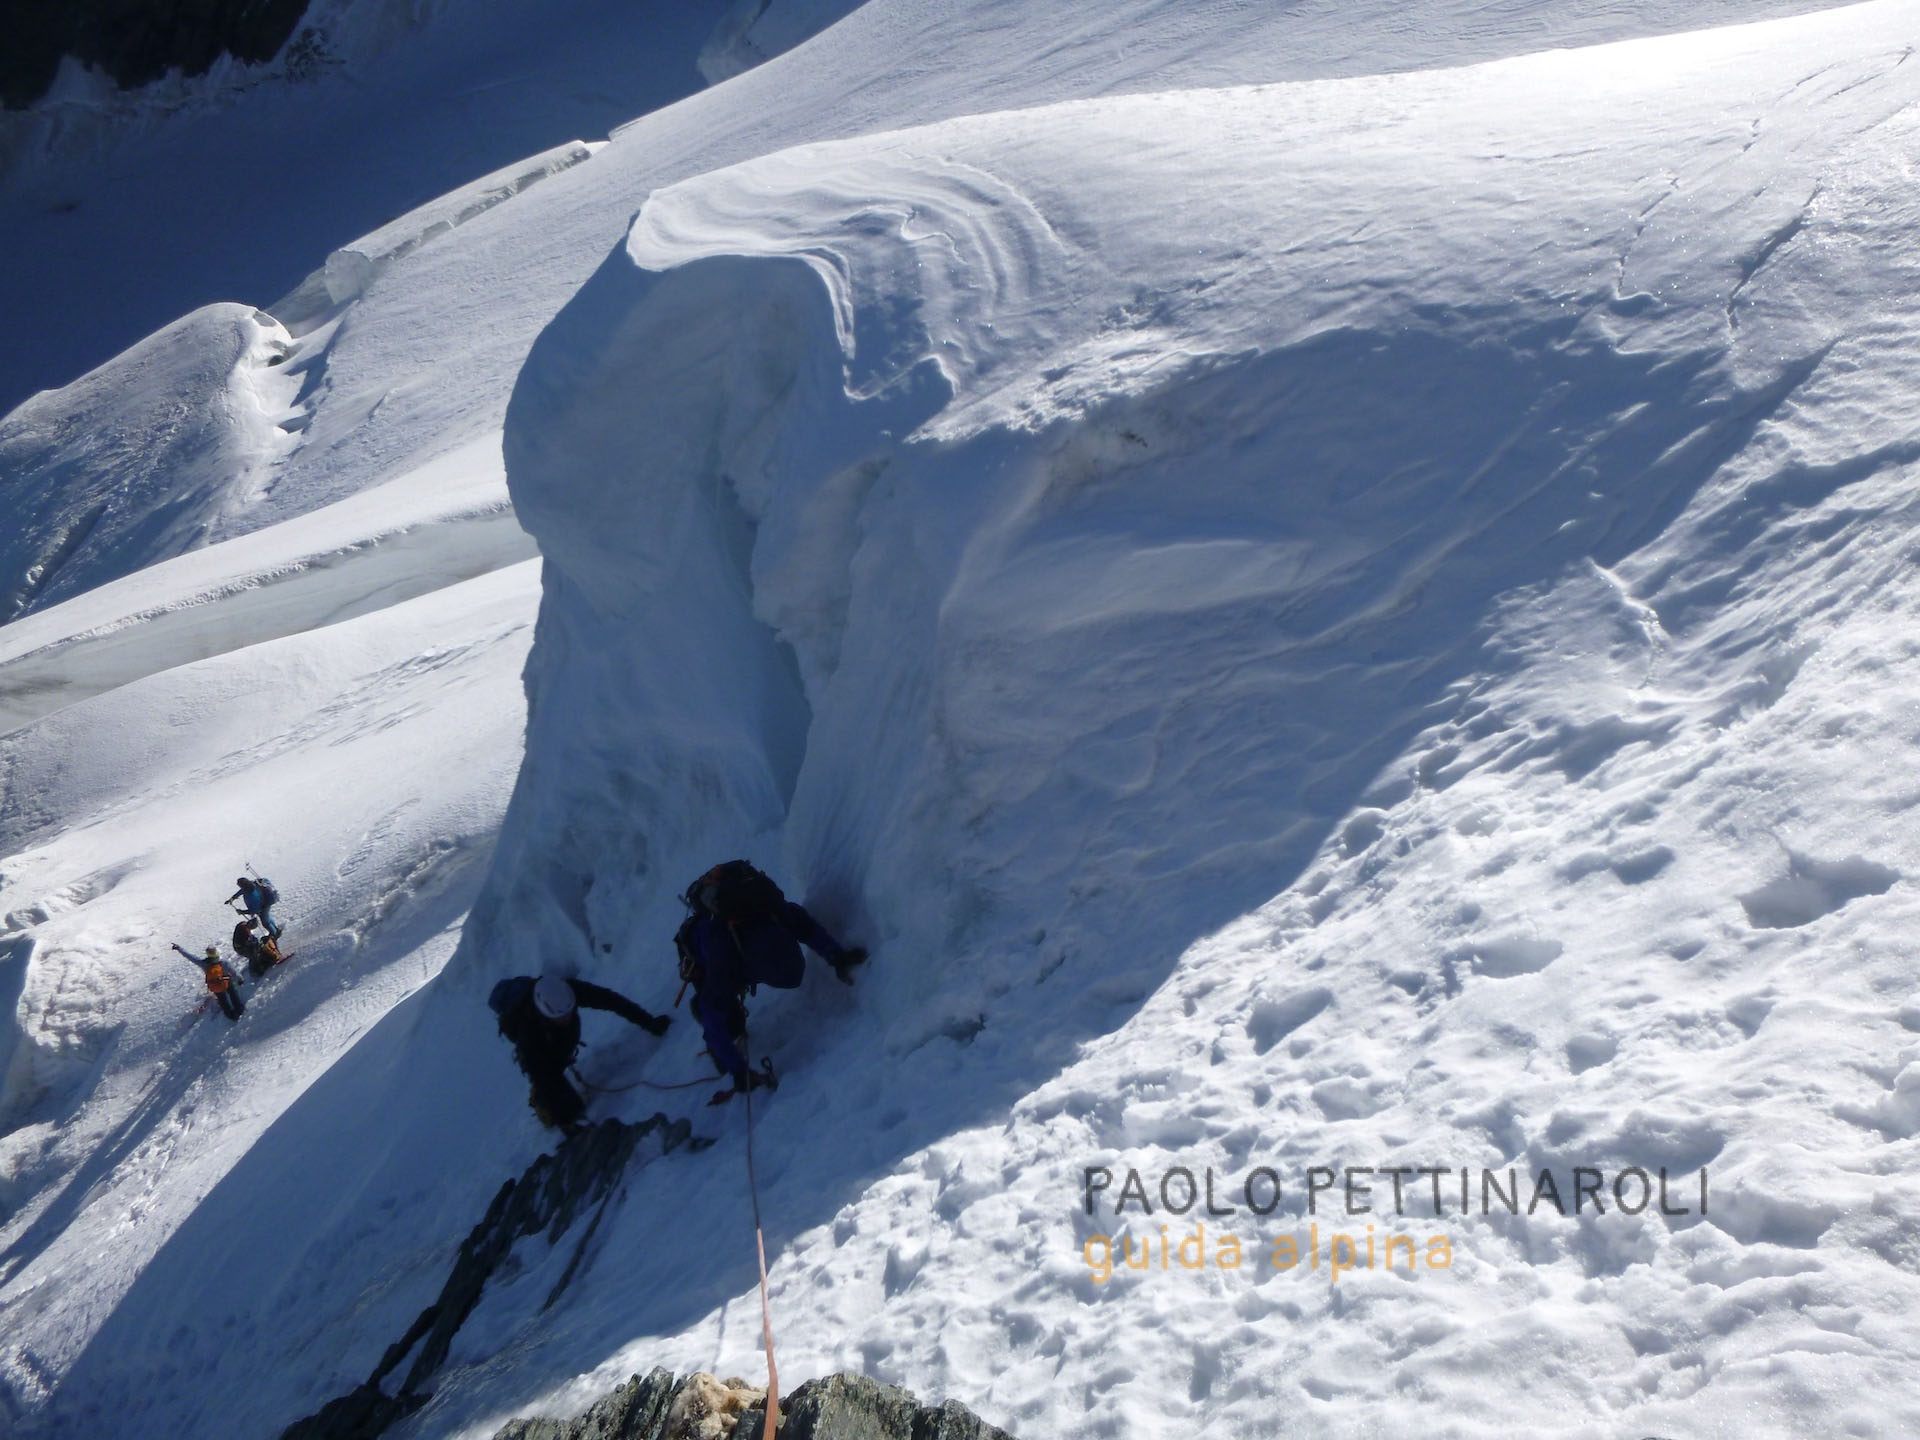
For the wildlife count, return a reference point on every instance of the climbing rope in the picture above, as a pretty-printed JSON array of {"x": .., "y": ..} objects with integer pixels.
[
  {"x": 772, "y": 1412},
  {"x": 588, "y": 1085}
]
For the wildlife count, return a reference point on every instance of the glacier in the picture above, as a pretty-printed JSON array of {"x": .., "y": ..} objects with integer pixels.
[{"x": 1327, "y": 595}]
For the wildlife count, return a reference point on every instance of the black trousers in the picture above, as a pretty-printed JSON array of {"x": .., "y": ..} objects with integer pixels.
[{"x": 551, "y": 1094}]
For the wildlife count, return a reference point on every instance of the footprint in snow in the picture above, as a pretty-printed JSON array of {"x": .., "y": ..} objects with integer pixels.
[
  {"x": 1509, "y": 956},
  {"x": 1812, "y": 888},
  {"x": 1273, "y": 1020}
]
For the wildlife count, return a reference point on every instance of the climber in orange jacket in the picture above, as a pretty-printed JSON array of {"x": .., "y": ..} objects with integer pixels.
[{"x": 221, "y": 980}]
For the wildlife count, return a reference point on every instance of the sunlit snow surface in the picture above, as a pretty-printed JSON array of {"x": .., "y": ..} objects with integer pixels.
[{"x": 1352, "y": 622}]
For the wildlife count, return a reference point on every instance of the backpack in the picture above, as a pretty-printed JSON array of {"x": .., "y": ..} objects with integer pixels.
[
  {"x": 737, "y": 894},
  {"x": 507, "y": 996},
  {"x": 268, "y": 895}
]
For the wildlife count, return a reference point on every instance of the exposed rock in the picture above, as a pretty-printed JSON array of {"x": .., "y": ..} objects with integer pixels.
[
  {"x": 706, "y": 1408},
  {"x": 549, "y": 1197},
  {"x": 639, "y": 1407},
  {"x": 852, "y": 1407},
  {"x": 555, "y": 1192},
  {"x": 135, "y": 41},
  {"x": 657, "y": 1407},
  {"x": 837, "y": 1407}
]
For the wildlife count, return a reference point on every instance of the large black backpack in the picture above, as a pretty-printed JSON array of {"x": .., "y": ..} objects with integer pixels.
[
  {"x": 737, "y": 894},
  {"x": 508, "y": 996}
]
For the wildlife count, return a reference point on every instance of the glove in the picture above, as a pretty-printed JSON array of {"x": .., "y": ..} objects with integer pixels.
[
  {"x": 847, "y": 959},
  {"x": 656, "y": 1024}
]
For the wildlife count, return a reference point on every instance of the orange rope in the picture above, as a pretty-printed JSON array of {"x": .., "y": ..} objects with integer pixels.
[
  {"x": 766, "y": 1329},
  {"x": 766, "y": 1308}
]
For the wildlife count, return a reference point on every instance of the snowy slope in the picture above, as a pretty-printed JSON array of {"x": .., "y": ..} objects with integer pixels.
[
  {"x": 137, "y": 461},
  {"x": 392, "y": 396},
  {"x": 122, "y": 1108},
  {"x": 1350, "y": 622},
  {"x": 1270, "y": 530},
  {"x": 122, "y": 212},
  {"x": 445, "y": 522}
]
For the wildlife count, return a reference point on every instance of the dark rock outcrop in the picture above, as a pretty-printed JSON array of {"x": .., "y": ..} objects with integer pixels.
[
  {"x": 837, "y": 1407},
  {"x": 639, "y": 1407},
  {"x": 555, "y": 1190},
  {"x": 135, "y": 41},
  {"x": 852, "y": 1407}
]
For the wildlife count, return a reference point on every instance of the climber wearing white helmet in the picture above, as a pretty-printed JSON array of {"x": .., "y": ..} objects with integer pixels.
[{"x": 542, "y": 1019}]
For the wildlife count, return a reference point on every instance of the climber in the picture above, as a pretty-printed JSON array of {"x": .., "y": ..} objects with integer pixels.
[
  {"x": 260, "y": 955},
  {"x": 224, "y": 984},
  {"x": 542, "y": 1019},
  {"x": 742, "y": 933},
  {"x": 257, "y": 897}
]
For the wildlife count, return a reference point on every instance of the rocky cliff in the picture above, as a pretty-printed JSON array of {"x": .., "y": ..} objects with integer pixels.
[
  {"x": 699, "y": 1407},
  {"x": 576, "y": 1181},
  {"x": 135, "y": 41},
  {"x": 575, "y": 1184}
]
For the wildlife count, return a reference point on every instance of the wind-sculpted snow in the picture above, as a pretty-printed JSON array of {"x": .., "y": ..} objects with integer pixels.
[
  {"x": 921, "y": 257},
  {"x": 1049, "y": 538},
  {"x": 1183, "y": 461}
]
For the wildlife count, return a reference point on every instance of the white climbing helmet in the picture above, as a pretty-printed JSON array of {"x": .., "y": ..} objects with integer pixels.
[{"x": 553, "y": 997}]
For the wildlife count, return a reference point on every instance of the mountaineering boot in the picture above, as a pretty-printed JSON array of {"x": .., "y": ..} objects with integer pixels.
[{"x": 844, "y": 962}]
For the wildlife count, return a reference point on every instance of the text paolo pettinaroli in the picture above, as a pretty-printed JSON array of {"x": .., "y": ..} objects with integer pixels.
[{"x": 1583, "y": 1192}]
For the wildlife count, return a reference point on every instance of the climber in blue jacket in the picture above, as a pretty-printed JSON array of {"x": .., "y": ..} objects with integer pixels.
[
  {"x": 744, "y": 933},
  {"x": 257, "y": 898}
]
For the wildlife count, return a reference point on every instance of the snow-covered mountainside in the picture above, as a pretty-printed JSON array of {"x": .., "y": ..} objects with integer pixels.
[{"x": 1328, "y": 589}]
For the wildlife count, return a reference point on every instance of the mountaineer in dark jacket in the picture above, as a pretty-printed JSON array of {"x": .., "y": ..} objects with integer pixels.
[
  {"x": 260, "y": 955},
  {"x": 542, "y": 1019},
  {"x": 744, "y": 933}
]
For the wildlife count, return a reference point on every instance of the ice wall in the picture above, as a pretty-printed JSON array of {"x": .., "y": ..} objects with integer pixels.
[{"x": 1031, "y": 536}]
